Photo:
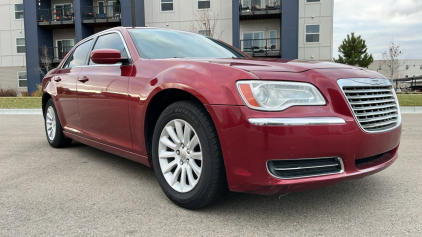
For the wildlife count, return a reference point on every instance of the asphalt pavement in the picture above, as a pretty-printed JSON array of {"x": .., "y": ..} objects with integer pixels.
[{"x": 82, "y": 191}]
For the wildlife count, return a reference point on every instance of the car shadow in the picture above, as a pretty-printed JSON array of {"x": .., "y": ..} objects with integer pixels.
[{"x": 338, "y": 198}]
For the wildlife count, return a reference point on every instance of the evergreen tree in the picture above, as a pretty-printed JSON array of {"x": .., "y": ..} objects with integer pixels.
[{"x": 354, "y": 52}]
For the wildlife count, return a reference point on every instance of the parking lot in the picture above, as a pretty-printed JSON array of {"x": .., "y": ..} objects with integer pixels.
[{"x": 84, "y": 191}]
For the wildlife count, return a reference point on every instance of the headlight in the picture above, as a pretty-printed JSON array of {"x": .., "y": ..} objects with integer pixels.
[{"x": 278, "y": 95}]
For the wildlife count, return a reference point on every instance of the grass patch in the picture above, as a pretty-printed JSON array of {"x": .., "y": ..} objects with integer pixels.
[
  {"x": 410, "y": 99},
  {"x": 20, "y": 102}
]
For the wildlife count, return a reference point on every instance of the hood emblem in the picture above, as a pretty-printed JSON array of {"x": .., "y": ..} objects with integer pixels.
[{"x": 371, "y": 81}]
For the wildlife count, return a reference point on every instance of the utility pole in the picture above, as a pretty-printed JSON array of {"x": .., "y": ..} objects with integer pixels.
[{"x": 133, "y": 13}]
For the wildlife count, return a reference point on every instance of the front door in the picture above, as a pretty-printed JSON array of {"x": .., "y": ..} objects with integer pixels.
[{"x": 103, "y": 98}]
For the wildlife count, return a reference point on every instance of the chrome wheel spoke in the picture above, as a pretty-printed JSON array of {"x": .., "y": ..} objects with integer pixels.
[
  {"x": 176, "y": 175},
  {"x": 196, "y": 155},
  {"x": 186, "y": 134},
  {"x": 179, "y": 130},
  {"x": 170, "y": 131},
  {"x": 183, "y": 179},
  {"x": 191, "y": 179},
  {"x": 169, "y": 166},
  {"x": 167, "y": 154},
  {"x": 192, "y": 144},
  {"x": 195, "y": 168},
  {"x": 168, "y": 143}
]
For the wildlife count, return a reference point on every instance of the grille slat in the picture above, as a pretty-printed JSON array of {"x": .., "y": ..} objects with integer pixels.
[
  {"x": 372, "y": 102},
  {"x": 379, "y": 124},
  {"x": 374, "y": 106},
  {"x": 377, "y": 118},
  {"x": 379, "y": 112}
]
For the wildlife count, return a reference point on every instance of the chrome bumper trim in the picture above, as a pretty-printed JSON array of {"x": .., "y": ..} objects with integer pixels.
[{"x": 297, "y": 121}]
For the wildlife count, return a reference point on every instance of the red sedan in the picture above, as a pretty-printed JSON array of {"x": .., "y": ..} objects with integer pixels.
[{"x": 209, "y": 118}]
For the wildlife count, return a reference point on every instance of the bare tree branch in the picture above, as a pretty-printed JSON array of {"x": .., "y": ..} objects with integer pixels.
[
  {"x": 45, "y": 61},
  {"x": 390, "y": 58},
  {"x": 206, "y": 21}
]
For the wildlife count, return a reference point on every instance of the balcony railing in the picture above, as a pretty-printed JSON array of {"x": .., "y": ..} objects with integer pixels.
[
  {"x": 259, "y": 9},
  {"x": 261, "y": 47},
  {"x": 55, "y": 54},
  {"x": 55, "y": 16},
  {"x": 110, "y": 13},
  {"x": 259, "y": 5}
]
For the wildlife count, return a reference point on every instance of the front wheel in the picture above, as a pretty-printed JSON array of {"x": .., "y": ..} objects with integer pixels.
[
  {"x": 187, "y": 157},
  {"x": 53, "y": 128}
]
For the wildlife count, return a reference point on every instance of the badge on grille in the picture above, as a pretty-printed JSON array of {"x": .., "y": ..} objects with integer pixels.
[{"x": 371, "y": 81}]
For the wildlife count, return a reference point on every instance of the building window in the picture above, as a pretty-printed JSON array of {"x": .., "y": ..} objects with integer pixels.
[
  {"x": 18, "y": 11},
  {"x": 420, "y": 67},
  {"x": 379, "y": 67},
  {"x": 204, "y": 4},
  {"x": 167, "y": 5},
  {"x": 22, "y": 79},
  {"x": 253, "y": 41},
  {"x": 205, "y": 32},
  {"x": 312, "y": 33},
  {"x": 20, "y": 45},
  {"x": 273, "y": 39},
  {"x": 312, "y": 0},
  {"x": 407, "y": 67}
]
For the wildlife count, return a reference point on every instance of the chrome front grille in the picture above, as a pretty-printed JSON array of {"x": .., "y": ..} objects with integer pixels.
[{"x": 374, "y": 105}]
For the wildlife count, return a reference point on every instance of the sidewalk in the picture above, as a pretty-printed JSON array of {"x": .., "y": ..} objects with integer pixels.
[{"x": 38, "y": 111}]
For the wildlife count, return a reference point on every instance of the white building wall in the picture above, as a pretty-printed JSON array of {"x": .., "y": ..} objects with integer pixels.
[
  {"x": 11, "y": 62},
  {"x": 183, "y": 16},
  {"x": 316, "y": 13},
  {"x": 414, "y": 68}
]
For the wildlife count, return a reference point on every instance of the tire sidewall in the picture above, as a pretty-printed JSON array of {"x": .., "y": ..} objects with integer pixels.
[{"x": 181, "y": 112}]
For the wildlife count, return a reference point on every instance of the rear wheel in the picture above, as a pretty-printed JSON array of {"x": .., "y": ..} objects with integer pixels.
[
  {"x": 53, "y": 128},
  {"x": 187, "y": 156}
]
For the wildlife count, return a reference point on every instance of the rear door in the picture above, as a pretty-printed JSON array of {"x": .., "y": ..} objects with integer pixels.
[
  {"x": 103, "y": 97},
  {"x": 66, "y": 79}
]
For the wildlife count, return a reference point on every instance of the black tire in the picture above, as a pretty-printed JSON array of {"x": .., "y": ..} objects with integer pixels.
[
  {"x": 56, "y": 138},
  {"x": 211, "y": 185}
]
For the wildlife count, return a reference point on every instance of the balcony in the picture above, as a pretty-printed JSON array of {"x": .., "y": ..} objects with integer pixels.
[
  {"x": 53, "y": 54},
  {"x": 101, "y": 15},
  {"x": 56, "y": 17},
  {"x": 259, "y": 9},
  {"x": 261, "y": 47}
]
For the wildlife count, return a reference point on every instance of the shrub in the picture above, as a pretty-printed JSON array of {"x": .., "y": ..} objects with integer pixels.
[
  {"x": 38, "y": 92},
  {"x": 8, "y": 92}
]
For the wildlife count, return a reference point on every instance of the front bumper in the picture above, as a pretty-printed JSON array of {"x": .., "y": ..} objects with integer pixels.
[{"x": 248, "y": 146}]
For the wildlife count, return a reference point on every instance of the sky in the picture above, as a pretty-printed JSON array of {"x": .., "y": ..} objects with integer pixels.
[{"x": 378, "y": 22}]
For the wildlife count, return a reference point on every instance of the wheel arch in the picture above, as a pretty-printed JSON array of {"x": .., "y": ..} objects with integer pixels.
[{"x": 156, "y": 106}]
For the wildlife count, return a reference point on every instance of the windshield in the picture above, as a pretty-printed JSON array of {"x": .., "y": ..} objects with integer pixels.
[{"x": 162, "y": 43}]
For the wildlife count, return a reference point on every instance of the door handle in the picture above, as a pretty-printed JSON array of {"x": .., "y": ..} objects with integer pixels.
[
  {"x": 57, "y": 79},
  {"x": 83, "y": 79}
]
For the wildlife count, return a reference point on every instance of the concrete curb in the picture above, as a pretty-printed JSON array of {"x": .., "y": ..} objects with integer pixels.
[
  {"x": 20, "y": 111},
  {"x": 411, "y": 109},
  {"x": 38, "y": 111}
]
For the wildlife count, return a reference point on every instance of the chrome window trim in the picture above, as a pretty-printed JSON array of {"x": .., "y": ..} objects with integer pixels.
[
  {"x": 297, "y": 121},
  {"x": 309, "y": 176},
  {"x": 369, "y": 82},
  {"x": 94, "y": 37}
]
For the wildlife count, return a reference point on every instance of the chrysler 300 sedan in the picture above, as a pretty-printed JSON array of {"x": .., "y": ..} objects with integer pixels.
[{"x": 208, "y": 118}]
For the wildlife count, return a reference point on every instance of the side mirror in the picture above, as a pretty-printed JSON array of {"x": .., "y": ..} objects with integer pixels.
[{"x": 106, "y": 56}]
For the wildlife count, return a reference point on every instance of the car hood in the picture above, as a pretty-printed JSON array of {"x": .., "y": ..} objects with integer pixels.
[{"x": 279, "y": 65}]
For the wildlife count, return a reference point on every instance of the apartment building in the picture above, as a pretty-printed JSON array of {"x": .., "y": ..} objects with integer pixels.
[
  {"x": 12, "y": 46},
  {"x": 409, "y": 68},
  {"x": 262, "y": 28}
]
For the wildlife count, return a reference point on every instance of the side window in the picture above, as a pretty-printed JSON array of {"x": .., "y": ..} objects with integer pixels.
[
  {"x": 79, "y": 55},
  {"x": 110, "y": 41}
]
